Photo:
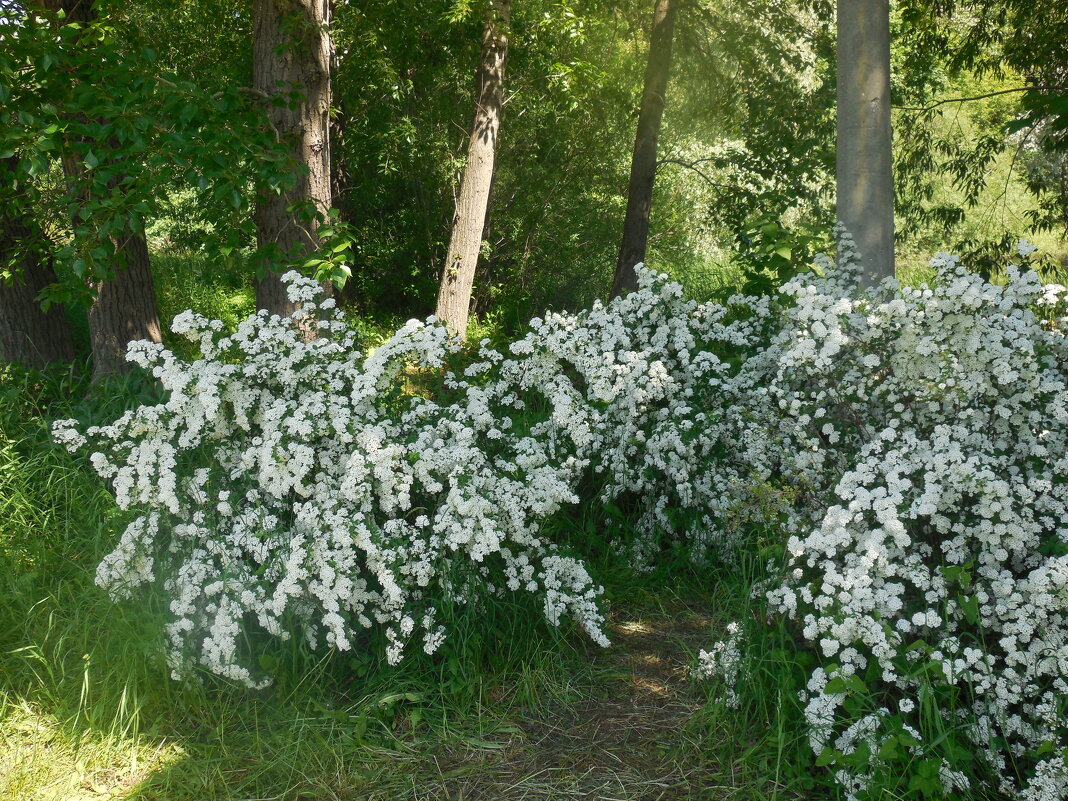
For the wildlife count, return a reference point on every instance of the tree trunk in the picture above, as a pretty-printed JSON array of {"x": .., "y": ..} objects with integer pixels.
[
  {"x": 291, "y": 54},
  {"x": 864, "y": 163},
  {"x": 458, "y": 277},
  {"x": 124, "y": 307},
  {"x": 28, "y": 335},
  {"x": 643, "y": 164}
]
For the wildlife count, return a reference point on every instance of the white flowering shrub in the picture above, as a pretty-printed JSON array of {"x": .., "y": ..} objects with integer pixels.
[
  {"x": 911, "y": 444},
  {"x": 654, "y": 388},
  {"x": 927, "y": 430},
  {"x": 291, "y": 487},
  {"x": 288, "y": 486}
]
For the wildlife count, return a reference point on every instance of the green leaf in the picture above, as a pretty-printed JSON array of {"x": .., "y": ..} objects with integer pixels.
[
  {"x": 828, "y": 756},
  {"x": 389, "y": 700},
  {"x": 268, "y": 662},
  {"x": 484, "y": 744},
  {"x": 969, "y": 605},
  {"x": 890, "y": 749},
  {"x": 855, "y": 683},
  {"x": 836, "y": 685},
  {"x": 907, "y": 739}
]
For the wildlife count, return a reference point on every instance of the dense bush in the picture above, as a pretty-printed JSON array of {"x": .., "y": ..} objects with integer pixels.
[
  {"x": 924, "y": 435},
  {"x": 302, "y": 487},
  {"x": 291, "y": 487},
  {"x": 929, "y": 428},
  {"x": 911, "y": 445}
]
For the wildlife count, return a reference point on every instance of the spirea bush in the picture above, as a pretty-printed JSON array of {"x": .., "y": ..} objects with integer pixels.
[
  {"x": 910, "y": 443},
  {"x": 656, "y": 390},
  {"x": 298, "y": 488},
  {"x": 926, "y": 431},
  {"x": 289, "y": 487}
]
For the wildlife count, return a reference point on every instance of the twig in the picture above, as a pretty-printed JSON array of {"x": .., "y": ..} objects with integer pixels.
[
  {"x": 692, "y": 165},
  {"x": 981, "y": 97}
]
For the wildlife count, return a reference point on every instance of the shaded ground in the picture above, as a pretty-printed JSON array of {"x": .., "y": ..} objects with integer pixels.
[
  {"x": 630, "y": 743},
  {"x": 624, "y": 723}
]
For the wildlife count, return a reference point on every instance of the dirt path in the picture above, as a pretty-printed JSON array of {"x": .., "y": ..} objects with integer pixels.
[{"x": 632, "y": 742}]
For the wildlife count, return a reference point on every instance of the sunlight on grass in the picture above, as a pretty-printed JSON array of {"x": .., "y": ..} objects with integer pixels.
[
  {"x": 41, "y": 760},
  {"x": 633, "y": 627}
]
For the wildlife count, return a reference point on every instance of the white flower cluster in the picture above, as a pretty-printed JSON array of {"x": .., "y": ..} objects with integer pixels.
[
  {"x": 293, "y": 487},
  {"x": 926, "y": 431},
  {"x": 726, "y": 664}
]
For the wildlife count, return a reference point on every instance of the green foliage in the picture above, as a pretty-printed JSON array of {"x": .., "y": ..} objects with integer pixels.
[
  {"x": 333, "y": 262},
  {"x": 980, "y": 83},
  {"x": 128, "y": 133},
  {"x": 771, "y": 255},
  {"x": 219, "y": 288}
]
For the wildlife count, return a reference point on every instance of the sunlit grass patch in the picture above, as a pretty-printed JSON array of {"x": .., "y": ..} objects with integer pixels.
[{"x": 42, "y": 759}]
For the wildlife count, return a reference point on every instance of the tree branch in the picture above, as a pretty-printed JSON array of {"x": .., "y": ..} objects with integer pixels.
[
  {"x": 982, "y": 97},
  {"x": 692, "y": 165},
  {"x": 245, "y": 90}
]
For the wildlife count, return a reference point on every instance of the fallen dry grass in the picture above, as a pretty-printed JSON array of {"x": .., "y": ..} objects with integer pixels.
[{"x": 629, "y": 742}]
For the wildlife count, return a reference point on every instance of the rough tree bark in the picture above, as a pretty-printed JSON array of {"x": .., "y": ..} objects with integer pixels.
[
  {"x": 643, "y": 164},
  {"x": 124, "y": 306},
  {"x": 28, "y": 335},
  {"x": 291, "y": 53},
  {"x": 864, "y": 162},
  {"x": 124, "y": 309},
  {"x": 458, "y": 277}
]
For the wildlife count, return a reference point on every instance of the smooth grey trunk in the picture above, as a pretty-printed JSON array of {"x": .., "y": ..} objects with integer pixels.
[
  {"x": 864, "y": 163},
  {"x": 124, "y": 306},
  {"x": 28, "y": 335},
  {"x": 643, "y": 163},
  {"x": 291, "y": 54},
  {"x": 458, "y": 277}
]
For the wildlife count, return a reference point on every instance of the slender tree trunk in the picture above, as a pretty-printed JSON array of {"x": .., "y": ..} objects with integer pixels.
[
  {"x": 28, "y": 335},
  {"x": 291, "y": 54},
  {"x": 124, "y": 307},
  {"x": 643, "y": 164},
  {"x": 481, "y": 301},
  {"x": 865, "y": 183},
  {"x": 458, "y": 277}
]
